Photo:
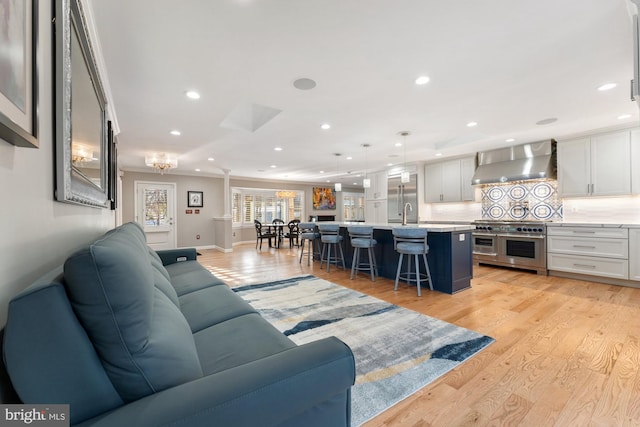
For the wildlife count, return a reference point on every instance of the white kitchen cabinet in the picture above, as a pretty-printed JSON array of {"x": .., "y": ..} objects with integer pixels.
[
  {"x": 634, "y": 254},
  {"x": 378, "y": 189},
  {"x": 376, "y": 211},
  {"x": 599, "y": 165},
  {"x": 594, "y": 251},
  {"x": 635, "y": 161},
  {"x": 449, "y": 181}
]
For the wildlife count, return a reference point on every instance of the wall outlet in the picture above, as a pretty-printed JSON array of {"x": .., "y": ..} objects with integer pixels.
[{"x": 461, "y": 237}]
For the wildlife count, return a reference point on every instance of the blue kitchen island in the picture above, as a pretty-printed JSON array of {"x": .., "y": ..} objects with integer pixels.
[{"x": 450, "y": 259}]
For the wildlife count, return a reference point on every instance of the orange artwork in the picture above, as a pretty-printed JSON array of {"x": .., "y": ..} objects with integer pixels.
[{"x": 323, "y": 198}]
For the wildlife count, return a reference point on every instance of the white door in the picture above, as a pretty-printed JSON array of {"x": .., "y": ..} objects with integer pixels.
[{"x": 156, "y": 212}]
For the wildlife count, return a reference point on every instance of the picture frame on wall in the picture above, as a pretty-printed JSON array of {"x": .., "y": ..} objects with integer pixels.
[
  {"x": 195, "y": 199},
  {"x": 19, "y": 78},
  {"x": 324, "y": 198}
]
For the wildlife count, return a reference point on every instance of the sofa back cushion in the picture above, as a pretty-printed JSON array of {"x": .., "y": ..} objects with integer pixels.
[
  {"x": 49, "y": 357},
  {"x": 141, "y": 336}
]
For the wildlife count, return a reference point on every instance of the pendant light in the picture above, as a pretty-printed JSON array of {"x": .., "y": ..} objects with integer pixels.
[
  {"x": 404, "y": 176},
  {"x": 366, "y": 182},
  {"x": 338, "y": 186}
]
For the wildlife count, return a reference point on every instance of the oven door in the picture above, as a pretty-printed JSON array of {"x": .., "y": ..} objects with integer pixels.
[
  {"x": 520, "y": 251},
  {"x": 485, "y": 244}
]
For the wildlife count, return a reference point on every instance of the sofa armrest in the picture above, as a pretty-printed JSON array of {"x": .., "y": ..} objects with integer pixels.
[
  {"x": 171, "y": 256},
  {"x": 265, "y": 392}
]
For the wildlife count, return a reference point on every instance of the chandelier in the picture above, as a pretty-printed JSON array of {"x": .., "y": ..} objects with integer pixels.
[
  {"x": 286, "y": 194},
  {"x": 161, "y": 162},
  {"x": 81, "y": 153}
]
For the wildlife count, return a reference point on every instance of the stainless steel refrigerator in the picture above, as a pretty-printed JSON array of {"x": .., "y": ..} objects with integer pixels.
[{"x": 398, "y": 195}]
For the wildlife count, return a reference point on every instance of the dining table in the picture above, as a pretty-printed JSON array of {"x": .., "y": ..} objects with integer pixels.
[{"x": 278, "y": 230}]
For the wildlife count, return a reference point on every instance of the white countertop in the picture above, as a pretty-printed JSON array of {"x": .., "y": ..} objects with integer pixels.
[
  {"x": 591, "y": 224},
  {"x": 433, "y": 228}
]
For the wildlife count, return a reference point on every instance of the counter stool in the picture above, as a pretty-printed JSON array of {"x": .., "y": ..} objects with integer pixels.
[
  {"x": 330, "y": 236},
  {"x": 308, "y": 233},
  {"x": 411, "y": 241},
  {"x": 362, "y": 238}
]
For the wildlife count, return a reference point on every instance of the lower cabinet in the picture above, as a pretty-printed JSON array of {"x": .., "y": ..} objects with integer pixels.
[
  {"x": 634, "y": 254},
  {"x": 595, "y": 251}
]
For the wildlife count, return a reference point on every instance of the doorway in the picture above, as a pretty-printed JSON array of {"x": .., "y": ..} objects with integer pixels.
[{"x": 155, "y": 209}]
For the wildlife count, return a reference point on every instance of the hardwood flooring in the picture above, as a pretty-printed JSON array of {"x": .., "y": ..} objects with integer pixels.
[{"x": 567, "y": 352}]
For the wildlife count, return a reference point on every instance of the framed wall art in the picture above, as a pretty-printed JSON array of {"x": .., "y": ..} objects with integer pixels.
[
  {"x": 80, "y": 123},
  {"x": 19, "y": 75},
  {"x": 194, "y": 199},
  {"x": 323, "y": 198}
]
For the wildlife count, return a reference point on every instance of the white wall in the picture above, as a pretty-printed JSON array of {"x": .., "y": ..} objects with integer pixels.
[{"x": 38, "y": 233}]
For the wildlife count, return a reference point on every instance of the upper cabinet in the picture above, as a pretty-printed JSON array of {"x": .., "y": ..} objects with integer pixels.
[
  {"x": 635, "y": 161},
  {"x": 378, "y": 189},
  {"x": 449, "y": 181},
  {"x": 599, "y": 165}
]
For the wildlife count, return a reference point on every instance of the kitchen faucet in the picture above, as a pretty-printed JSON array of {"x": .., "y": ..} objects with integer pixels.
[{"x": 404, "y": 212}]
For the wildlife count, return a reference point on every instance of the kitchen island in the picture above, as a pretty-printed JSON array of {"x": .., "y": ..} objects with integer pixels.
[{"x": 449, "y": 257}]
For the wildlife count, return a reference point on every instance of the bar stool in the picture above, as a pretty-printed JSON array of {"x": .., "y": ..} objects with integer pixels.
[
  {"x": 411, "y": 241},
  {"x": 308, "y": 233},
  {"x": 362, "y": 238},
  {"x": 330, "y": 236}
]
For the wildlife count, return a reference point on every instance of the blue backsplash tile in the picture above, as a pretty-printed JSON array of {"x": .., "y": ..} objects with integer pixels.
[{"x": 526, "y": 200}]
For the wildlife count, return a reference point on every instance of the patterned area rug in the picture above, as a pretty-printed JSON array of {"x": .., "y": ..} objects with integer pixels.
[{"x": 397, "y": 351}]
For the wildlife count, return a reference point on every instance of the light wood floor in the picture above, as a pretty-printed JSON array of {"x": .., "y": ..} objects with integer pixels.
[{"x": 567, "y": 352}]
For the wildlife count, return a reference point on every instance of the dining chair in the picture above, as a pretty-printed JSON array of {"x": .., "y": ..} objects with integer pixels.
[
  {"x": 262, "y": 234},
  {"x": 294, "y": 233}
]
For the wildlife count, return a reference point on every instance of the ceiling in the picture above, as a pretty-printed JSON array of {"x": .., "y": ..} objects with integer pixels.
[{"x": 504, "y": 64}]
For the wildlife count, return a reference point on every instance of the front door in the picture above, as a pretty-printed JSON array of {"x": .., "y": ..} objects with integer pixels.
[{"x": 156, "y": 212}]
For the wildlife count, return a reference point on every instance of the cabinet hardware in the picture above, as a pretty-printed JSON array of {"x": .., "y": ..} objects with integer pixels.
[
  {"x": 585, "y": 232},
  {"x": 584, "y": 265},
  {"x": 584, "y": 246}
]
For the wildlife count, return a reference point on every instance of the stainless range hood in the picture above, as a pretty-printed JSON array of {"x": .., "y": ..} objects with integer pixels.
[{"x": 534, "y": 160}]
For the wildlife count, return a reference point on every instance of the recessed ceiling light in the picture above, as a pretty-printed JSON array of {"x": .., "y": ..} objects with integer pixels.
[
  {"x": 304, "y": 84},
  {"x": 328, "y": 180},
  {"x": 438, "y": 154},
  {"x": 389, "y": 164},
  {"x": 398, "y": 144},
  {"x": 197, "y": 170},
  {"x": 326, "y": 126},
  {"x": 278, "y": 148},
  {"x": 509, "y": 140},
  {"x": 607, "y": 86},
  {"x": 349, "y": 158},
  {"x": 192, "y": 94},
  {"x": 472, "y": 124},
  {"x": 273, "y": 166},
  {"x": 422, "y": 80},
  {"x": 321, "y": 171},
  {"x": 211, "y": 159},
  {"x": 624, "y": 116},
  {"x": 175, "y": 132}
]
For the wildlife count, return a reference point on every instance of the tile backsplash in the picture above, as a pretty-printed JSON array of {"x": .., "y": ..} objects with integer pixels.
[{"x": 525, "y": 200}]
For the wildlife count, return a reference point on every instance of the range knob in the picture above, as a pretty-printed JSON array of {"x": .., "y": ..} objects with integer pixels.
[
  {"x": 489, "y": 228},
  {"x": 519, "y": 228}
]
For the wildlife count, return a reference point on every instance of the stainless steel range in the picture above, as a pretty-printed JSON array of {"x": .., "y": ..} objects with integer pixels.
[{"x": 517, "y": 244}]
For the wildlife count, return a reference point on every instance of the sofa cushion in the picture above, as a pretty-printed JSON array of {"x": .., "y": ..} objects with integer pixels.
[
  {"x": 209, "y": 306},
  {"x": 191, "y": 276},
  {"x": 141, "y": 336},
  {"x": 49, "y": 357},
  {"x": 238, "y": 341}
]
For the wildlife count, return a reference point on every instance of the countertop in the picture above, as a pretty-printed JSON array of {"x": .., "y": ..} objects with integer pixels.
[
  {"x": 431, "y": 227},
  {"x": 592, "y": 224}
]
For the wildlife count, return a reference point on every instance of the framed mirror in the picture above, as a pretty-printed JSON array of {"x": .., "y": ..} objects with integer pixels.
[{"x": 80, "y": 125}]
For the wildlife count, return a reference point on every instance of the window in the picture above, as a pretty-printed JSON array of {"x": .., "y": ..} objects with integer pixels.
[{"x": 250, "y": 204}]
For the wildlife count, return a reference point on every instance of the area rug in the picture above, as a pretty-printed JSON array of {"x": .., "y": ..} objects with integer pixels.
[{"x": 397, "y": 351}]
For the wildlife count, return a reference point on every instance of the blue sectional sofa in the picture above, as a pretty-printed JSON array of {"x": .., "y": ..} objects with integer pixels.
[{"x": 130, "y": 337}]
